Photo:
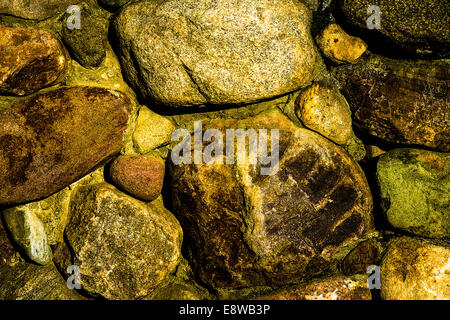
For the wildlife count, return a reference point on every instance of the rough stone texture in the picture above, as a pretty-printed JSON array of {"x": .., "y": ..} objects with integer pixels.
[
  {"x": 336, "y": 287},
  {"x": 124, "y": 247},
  {"x": 25, "y": 281},
  {"x": 52, "y": 212},
  {"x": 323, "y": 109},
  {"x": 246, "y": 229},
  {"x": 399, "y": 101},
  {"x": 366, "y": 254},
  {"x": 6, "y": 248},
  {"x": 152, "y": 131},
  {"x": 418, "y": 26},
  {"x": 180, "y": 291},
  {"x": 29, "y": 233},
  {"x": 55, "y": 138},
  {"x": 339, "y": 46},
  {"x": 415, "y": 191},
  {"x": 35, "y": 9},
  {"x": 194, "y": 52},
  {"x": 87, "y": 44},
  {"x": 140, "y": 176},
  {"x": 413, "y": 269},
  {"x": 30, "y": 59}
]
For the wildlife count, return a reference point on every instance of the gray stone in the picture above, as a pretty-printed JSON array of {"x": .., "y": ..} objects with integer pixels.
[{"x": 191, "y": 52}]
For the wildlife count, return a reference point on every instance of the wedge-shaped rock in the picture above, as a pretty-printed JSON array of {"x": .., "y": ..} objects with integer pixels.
[{"x": 53, "y": 139}]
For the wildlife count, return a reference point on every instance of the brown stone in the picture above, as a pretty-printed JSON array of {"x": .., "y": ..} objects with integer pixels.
[
  {"x": 26, "y": 281},
  {"x": 54, "y": 139},
  {"x": 360, "y": 258},
  {"x": 35, "y": 9},
  {"x": 140, "y": 176},
  {"x": 399, "y": 101},
  {"x": 30, "y": 59},
  {"x": 247, "y": 229},
  {"x": 336, "y": 287}
]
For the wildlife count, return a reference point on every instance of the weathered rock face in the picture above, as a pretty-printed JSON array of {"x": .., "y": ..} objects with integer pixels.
[
  {"x": 366, "y": 254},
  {"x": 246, "y": 228},
  {"x": 141, "y": 176},
  {"x": 30, "y": 59},
  {"x": 6, "y": 248},
  {"x": 152, "y": 131},
  {"x": 418, "y": 26},
  {"x": 339, "y": 46},
  {"x": 55, "y": 138},
  {"x": 87, "y": 44},
  {"x": 36, "y": 9},
  {"x": 232, "y": 52},
  {"x": 399, "y": 101},
  {"x": 29, "y": 233},
  {"x": 323, "y": 109},
  {"x": 415, "y": 191},
  {"x": 413, "y": 269},
  {"x": 336, "y": 287},
  {"x": 25, "y": 281},
  {"x": 124, "y": 247}
]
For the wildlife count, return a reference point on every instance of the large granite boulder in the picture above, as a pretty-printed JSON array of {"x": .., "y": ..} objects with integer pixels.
[{"x": 196, "y": 52}]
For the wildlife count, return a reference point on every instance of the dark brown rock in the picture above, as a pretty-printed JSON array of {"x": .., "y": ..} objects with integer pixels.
[
  {"x": 35, "y": 9},
  {"x": 360, "y": 258},
  {"x": 125, "y": 248},
  {"x": 399, "y": 101},
  {"x": 336, "y": 287},
  {"x": 246, "y": 228},
  {"x": 141, "y": 176},
  {"x": 26, "y": 281},
  {"x": 53, "y": 139},
  {"x": 30, "y": 59}
]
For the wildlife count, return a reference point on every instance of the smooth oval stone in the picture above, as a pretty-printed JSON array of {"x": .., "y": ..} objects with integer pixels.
[
  {"x": 399, "y": 101},
  {"x": 189, "y": 52},
  {"x": 140, "y": 176},
  {"x": 30, "y": 59},
  {"x": 246, "y": 228},
  {"x": 55, "y": 138}
]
